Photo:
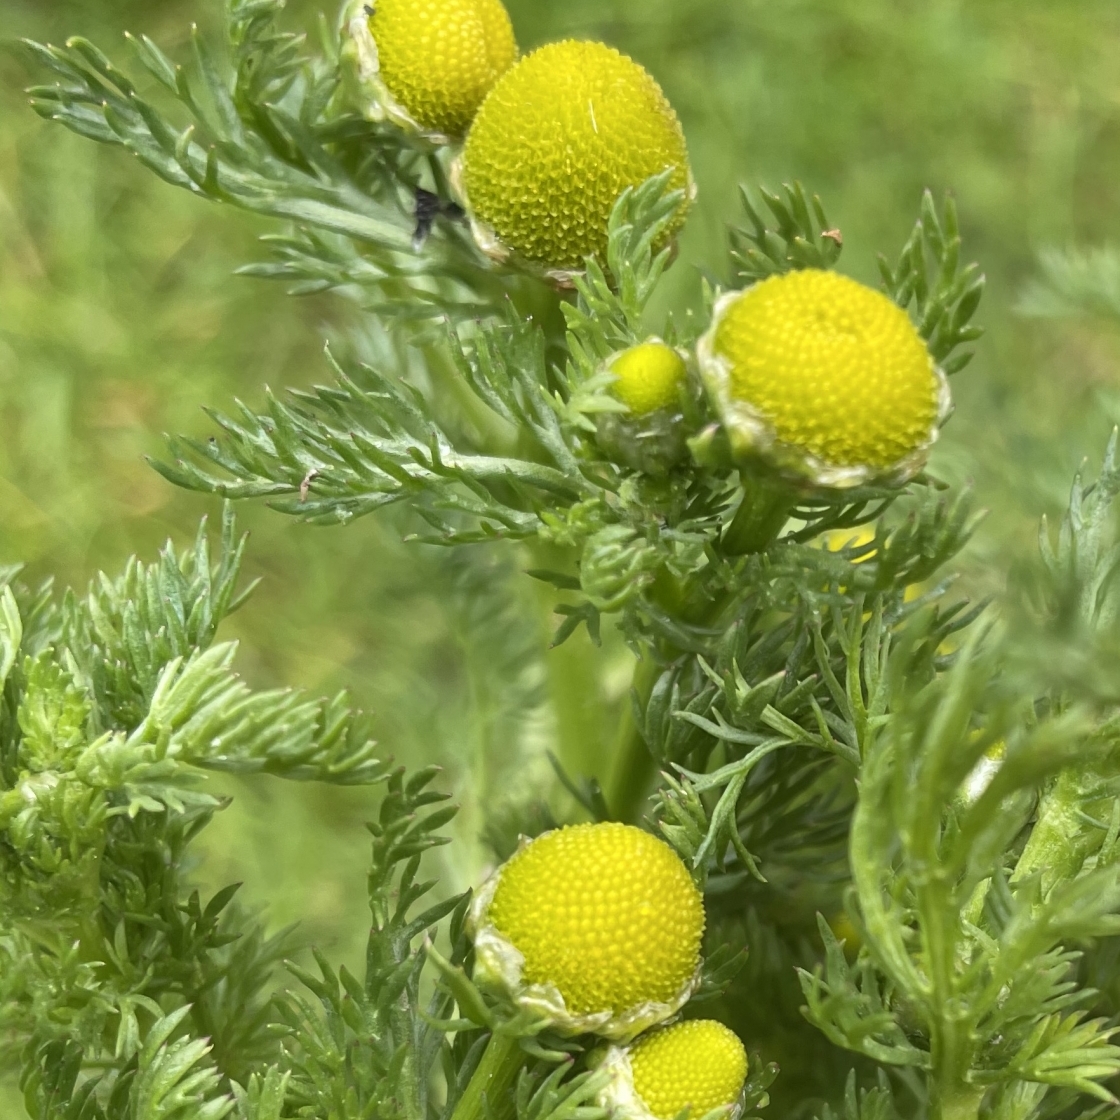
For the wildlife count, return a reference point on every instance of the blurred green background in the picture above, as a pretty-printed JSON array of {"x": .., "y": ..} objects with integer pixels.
[{"x": 119, "y": 318}]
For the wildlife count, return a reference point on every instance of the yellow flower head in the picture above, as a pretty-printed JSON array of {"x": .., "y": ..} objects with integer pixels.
[
  {"x": 649, "y": 377},
  {"x": 559, "y": 138},
  {"x": 597, "y": 927},
  {"x": 428, "y": 64},
  {"x": 699, "y": 1065},
  {"x": 823, "y": 378}
]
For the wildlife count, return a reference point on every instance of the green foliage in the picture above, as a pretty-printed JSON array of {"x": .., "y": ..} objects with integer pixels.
[
  {"x": 969, "y": 887},
  {"x": 1074, "y": 282},
  {"x": 129, "y": 995},
  {"x": 944, "y": 295},
  {"x": 801, "y": 236},
  {"x": 869, "y": 1104},
  {"x": 833, "y": 725},
  {"x": 1082, "y": 568},
  {"x": 639, "y": 542},
  {"x": 358, "y": 1049},
  {"x": 262, "y": 137}
]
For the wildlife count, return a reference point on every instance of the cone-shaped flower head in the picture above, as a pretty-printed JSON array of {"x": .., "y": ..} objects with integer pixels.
[
  {"x": 595, "y": 927},
  {"x": 824, "y": 379},
  {"x": 428, "y": 64},
  {"x": 699, "y": 1065},
  {"x": 559, "y": 138}
]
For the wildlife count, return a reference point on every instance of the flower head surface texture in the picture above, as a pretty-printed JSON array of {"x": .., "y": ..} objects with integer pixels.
[
  {"x": 558, "y": 139},
  {"x": 835, "y": 370},
  {"x": 649, "y": 377},
  {"x": 606, "y": 913},
  {"x": 699, "y": 1065},
  {"x": 440, "y": 58}
]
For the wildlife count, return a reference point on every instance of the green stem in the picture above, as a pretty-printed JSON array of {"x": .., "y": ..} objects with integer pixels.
[
  {"x": 490, "y": 1090},
  {"x": 635, "y": 768},
  {"x": 961, "y": 1102},
  {"x": 952, "y": 1031},
  {"x": 582, "y": 715},
  {"x": 761, "y": 516},
  {"x": 573, "y": 679}
]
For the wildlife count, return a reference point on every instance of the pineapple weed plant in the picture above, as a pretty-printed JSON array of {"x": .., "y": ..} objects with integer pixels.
[{"x": 851, "y": 823}]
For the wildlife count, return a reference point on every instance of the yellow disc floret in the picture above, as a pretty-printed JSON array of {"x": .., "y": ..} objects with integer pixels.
[
  {"x": 699, "y": 1065},
  {"x": 606, "y": 914},
  {"x": 649, "y": 377},
  {"x": 833, "y": 370},
  {"x": 559, "y": 138},
  {"x": 440, "y": 58}
]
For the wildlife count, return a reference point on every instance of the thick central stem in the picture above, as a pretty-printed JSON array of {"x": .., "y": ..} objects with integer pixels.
[
  {"x": 952, "y": 1050},
  {"x": 761, "y": 516},
  {"x": 574, "y": 681},
  {"x": 634, "y": 768},
  {"x": 490, "y": 1090},
  {"x": 961, "y": 1102}
]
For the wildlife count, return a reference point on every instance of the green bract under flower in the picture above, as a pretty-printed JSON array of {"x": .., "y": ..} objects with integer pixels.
[
  {"x": 558, "y": 139},
  {"x": 823, "y": 379},
  {"x": 427, "y": 65},
  {"x": 698, "y": 1065},
  {"x": 593, "y": 927}
]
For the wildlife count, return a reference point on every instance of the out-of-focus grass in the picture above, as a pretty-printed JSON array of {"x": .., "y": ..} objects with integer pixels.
[{"x": 119, "y": 317}]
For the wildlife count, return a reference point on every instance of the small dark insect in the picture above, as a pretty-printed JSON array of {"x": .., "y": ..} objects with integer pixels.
[
  {"x": 430, "y": 206},
  {"x": 369, "y": 10}
]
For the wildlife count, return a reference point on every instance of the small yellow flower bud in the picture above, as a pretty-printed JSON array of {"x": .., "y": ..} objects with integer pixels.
[
  {"x": 596, "y": 927},
  {"x": 699, "y": 1065},
  {"x": 559, "y": 138},
  {"x": 427, "y": 65},
  {"x": 823, "y": 379},
  {"x": 649, "y": 377}
]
